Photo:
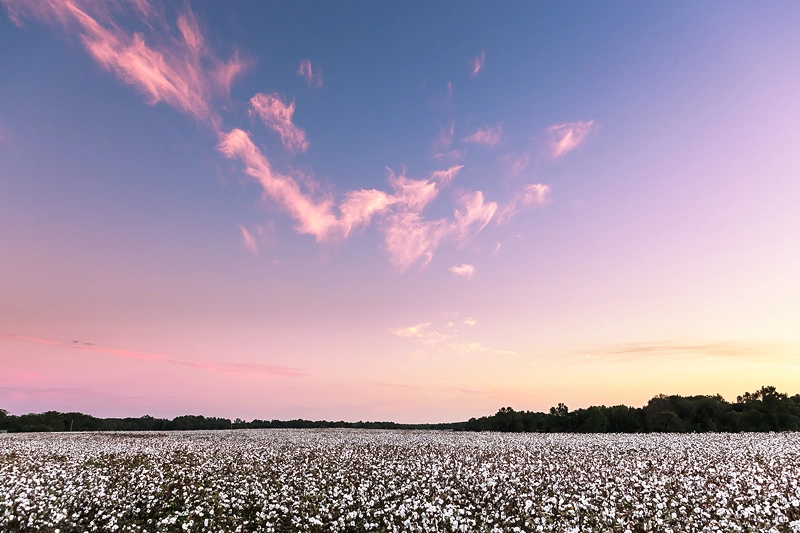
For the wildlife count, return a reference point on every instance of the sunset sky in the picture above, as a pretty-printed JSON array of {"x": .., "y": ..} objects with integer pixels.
[{"x": 414, "y": 211}]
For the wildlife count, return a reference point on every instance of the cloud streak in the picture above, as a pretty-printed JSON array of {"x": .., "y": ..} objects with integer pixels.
[
  {"x": 179, "y": 70},
  {"x": 305, "y": 70},
  {"x": 416, "y": 331},
  {"x": 315, "y": 217},
  {"x": 533, "y": 195},
  {"x": 476, "y": 64},
  {"x": 248, "y": 240},
  {"x": 223, "y": 367},
  {"x": 486, "y": 136},
  {"x": 277, "y": 116},
  {"x": 742, "y": 350},
  {"x": 465, "y": 348},
  {"x": 536, "y": 194},
  {"x": 175, "y": 65},
  {"x": 566, "y": 137},
  {"x": 419, "y": 333},
  {"x": 408, "y": 236}
]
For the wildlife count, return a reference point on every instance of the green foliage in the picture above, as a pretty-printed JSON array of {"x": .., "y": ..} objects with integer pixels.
[{"x": 763, "y": 410}]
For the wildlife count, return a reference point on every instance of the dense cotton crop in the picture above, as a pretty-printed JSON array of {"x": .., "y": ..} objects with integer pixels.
[{"x": 355, "y": 480}]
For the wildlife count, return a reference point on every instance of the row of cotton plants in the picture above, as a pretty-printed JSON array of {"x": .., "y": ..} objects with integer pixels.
[{"x": 353, "y": 480}]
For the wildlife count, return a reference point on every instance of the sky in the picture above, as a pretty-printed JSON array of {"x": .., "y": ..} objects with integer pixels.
[{"x": 417, "y": 212}]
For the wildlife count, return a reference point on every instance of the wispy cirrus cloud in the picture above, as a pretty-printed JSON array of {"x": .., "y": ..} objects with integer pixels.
[
  {"x": 452, "y": 155},
  {"x": 179, "y": 70},
  {"x": 489, "y": 136},
  {"x": 408, "y": 236},
  {"x": 419, "y": 333},
  {"x": 173, "y": 64},
  {"x": 518, "y": 163},
  {"x": 359, "y": 207},
  {"x": 445, "y": 137},
  {"x": 248, "y": 240},
  {"x": 533, "y": 194},
  {"x": 566, "y": 137},
  {"x": 738, "y": 349},
  {"x": 476, "y": 64},
  {"x": 444, "y": 177},
  {"x": 464, "y": 348},
  {"x": 313, "y": 78},
  {"x": 417, "y": 330},
  {"x": 464, "y": 270},
  {"x": 214, "y": 366},
  {"x": 434, "y": 340},
  {"x": 536, "y": 194},
  {"x": 315, "y": 217},
  {"x": 242, "y": 368},
  {"x": 277, "y": 115}
]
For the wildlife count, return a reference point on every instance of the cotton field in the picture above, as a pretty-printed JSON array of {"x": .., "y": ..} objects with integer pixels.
[{"x": 357, "y": 480}]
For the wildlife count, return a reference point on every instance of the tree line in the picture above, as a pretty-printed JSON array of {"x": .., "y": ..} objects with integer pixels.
[
  {"x": 57, "y": 421},
  {"x": 763, "y": 410}
]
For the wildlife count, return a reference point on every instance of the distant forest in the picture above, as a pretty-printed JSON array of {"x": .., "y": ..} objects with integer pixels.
[{"x": 763, "y": 410}]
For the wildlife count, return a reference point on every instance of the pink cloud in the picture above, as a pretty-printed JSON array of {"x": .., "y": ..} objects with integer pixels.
[
  {"x": 314, "y": 217},
  {"x": 181, "y": 72},
  {"x": 464, "y": 270},
  {"x": 409, "y": 238},
  {"x": 469, "y": 321},
  {"x": 177, "y": 67},
  {"x": 359, "y": 207},
  {"x": 536, "y": 194},
  {"x": 566, "y": 137},
  {"x": 419, "y": 333},
  {"x": 277, "y": 115},
  {"x": 225, "y": 73},
  {"x": 446, "y": 176},
  {"x": 486, "y": 136},
  {"x": 476, "y": 64},
  {"x": 223, "y": 367},
  {"x": 249, "y": 241},
  {"x": 452, "y": 155},
  {"x": 464, "y": 348},
  {"x": 32, "y": 339},
  {"x": 306, "y": 71},
  {"x": 519, "y": 163},
  {"x": 475, "y": 213},
  {"x": 445, "y": 138},
  {"x": 244, "y": 368},
  {"x": 413, "y": 194},
  {"x": 411, "y": 331}
]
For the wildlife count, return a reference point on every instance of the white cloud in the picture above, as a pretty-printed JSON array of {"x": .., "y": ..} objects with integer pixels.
[{"x": 463, "y": 270}]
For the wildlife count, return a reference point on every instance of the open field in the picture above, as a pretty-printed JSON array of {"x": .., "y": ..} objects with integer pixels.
[{"x": 361, "y": 480}]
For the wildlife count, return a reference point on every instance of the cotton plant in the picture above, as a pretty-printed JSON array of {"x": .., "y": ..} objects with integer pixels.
[{"x": 398, "y": 481}]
